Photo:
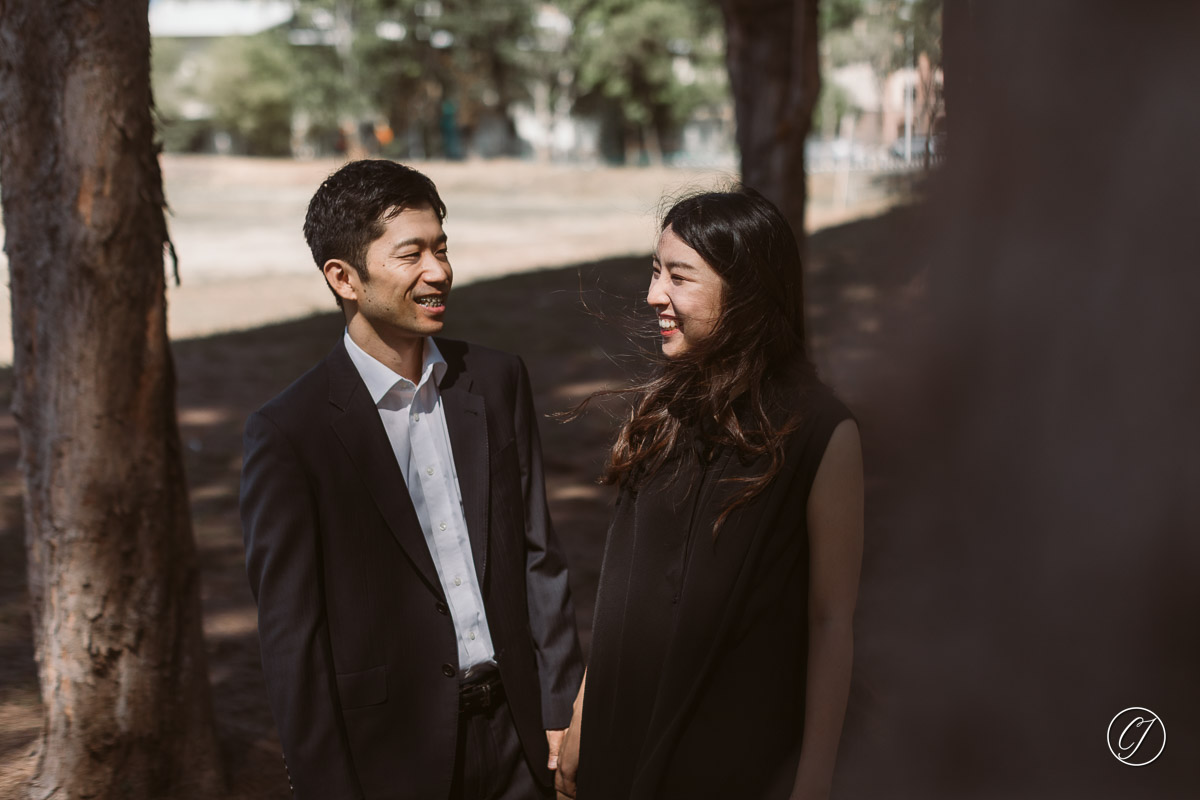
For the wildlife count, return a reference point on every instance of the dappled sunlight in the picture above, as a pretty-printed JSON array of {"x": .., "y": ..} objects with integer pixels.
[
  {"x": 582, "y": 389},
  {"x": 213, "y": 492},
  {"x": 201, "y": 417},
  {"x": 240, "y": 621},
  {"x": 868, "y": 325},
  {"x": 859, "y": 293},
  {"x": 579, "y": 491}
]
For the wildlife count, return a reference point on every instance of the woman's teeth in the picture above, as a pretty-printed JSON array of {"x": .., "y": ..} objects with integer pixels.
[{"x": 666, "y": 324}]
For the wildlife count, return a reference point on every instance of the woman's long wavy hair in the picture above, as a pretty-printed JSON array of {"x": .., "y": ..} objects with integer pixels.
[{"x": 755, "y": 354}]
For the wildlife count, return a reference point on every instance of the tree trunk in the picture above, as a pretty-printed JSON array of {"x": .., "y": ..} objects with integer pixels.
[
  {"x": 633, "y": 151},
  {"x": 960, "y": 73},
  {"x": 775, "y": 76},
  {"x": 113, "y": 576},
  {"x": 651, "y": 144}
]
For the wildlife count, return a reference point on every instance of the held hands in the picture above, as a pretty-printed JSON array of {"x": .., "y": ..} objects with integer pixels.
[
  {"x": 568, "y": 760},
  {"x": 554, "y": 738}
]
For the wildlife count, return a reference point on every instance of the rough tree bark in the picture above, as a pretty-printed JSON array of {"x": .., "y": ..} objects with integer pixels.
[
  {"x": 112, "y": 566},
  {"x": 775, "y": 75}
]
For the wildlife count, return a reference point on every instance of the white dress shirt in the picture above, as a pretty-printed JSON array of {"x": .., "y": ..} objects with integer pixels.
[{"x": 415, "y": 423}]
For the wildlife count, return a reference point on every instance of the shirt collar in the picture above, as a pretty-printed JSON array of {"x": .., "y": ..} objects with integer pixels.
[{"x": 380, "y": 378}]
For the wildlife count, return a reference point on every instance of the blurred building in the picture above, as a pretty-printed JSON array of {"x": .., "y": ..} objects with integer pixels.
[{"x": 877, "y": 106}]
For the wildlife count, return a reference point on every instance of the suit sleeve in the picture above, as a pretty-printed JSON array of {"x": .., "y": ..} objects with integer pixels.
[
  {"x": 551, "y": 613},
  {"x": 283, "y": 562}
]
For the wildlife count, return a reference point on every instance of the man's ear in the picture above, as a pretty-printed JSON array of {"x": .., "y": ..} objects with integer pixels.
[{"x": 342, "y": 278}]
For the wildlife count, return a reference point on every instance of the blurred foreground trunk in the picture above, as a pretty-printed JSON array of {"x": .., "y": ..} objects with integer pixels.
[
  {"x": 775, "y": 76},
  {"x": 1033, "y": 567},
  {"x": 113, "y": 577}
]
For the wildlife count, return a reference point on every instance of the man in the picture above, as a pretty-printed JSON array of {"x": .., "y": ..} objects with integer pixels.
[{"x": 417, "y": 633}]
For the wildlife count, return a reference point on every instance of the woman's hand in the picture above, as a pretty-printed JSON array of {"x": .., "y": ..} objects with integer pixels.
[{"x": 568, "y": 752}]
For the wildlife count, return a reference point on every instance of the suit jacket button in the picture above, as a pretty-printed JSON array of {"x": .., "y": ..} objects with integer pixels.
[
  {"x": 442, "y": 608},
  {"x": 449, "y": 671}
]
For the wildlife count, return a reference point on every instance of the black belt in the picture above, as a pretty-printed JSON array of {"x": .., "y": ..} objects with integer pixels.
[{"x": 480, "y": 694}]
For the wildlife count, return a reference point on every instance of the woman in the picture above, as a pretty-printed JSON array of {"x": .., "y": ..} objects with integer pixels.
[{"x": 722, "y": 639}]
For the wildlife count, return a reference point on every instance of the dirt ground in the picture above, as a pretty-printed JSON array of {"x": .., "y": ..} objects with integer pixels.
[{"x": 854, "y": 287}]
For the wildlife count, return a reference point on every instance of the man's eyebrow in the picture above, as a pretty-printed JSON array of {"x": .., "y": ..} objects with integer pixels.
[{"x": 418, "y": 241}]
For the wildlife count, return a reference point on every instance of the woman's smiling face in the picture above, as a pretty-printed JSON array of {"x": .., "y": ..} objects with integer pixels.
[{"x": 685, "y": 292}]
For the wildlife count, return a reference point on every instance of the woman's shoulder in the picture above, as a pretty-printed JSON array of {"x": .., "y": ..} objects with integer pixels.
[
  {"x": 821, "y": 402},
  {"x": 806, "y": 400},
  {"x": 817, "y": 415}
]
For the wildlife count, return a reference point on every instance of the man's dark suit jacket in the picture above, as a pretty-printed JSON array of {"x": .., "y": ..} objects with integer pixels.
[{"x": 359, "y": 651}]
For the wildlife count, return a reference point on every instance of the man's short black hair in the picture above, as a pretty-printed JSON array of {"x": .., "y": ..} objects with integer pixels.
[{"x": 351, "y": 207}]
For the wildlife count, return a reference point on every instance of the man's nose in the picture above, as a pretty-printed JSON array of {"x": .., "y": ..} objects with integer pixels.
[{"x": 435, "y": 270}]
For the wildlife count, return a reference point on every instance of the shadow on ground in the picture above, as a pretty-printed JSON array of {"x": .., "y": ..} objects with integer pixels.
[{"x": 854, "y": 287}]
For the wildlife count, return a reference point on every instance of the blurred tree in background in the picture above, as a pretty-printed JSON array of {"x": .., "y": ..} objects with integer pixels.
[
  {"x": 244, "y": 88},
  {"x": 420, "y": 73},
  {"x": 652, "y": 64},
  {"x": 775, "y": 74},
  {"x": 876, "y": 31},
  {"x": 251, "y": 91},
  {"x": 444, "y": 78}
]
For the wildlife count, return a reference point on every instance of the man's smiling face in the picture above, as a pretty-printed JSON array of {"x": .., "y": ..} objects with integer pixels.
[{"x": 409, "y": 277}]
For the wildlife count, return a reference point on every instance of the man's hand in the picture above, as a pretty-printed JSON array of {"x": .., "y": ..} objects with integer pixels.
[{"x": 554, "y": 739}]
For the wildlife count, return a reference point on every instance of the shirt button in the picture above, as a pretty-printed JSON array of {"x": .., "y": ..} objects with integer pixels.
[
  {"x": 458, "y": 581},
  {"x": 449, "y": 671},
  {"x": 429, "y": 470},
  {"x": 441, "y": 526},
  {"x": 471, "y": 636},
  {"x": 416, "y": 417}
]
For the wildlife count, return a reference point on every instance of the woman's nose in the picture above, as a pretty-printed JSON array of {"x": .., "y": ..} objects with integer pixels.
[{"x": 656, "y": 296}]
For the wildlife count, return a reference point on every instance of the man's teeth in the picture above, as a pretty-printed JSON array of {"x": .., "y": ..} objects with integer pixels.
[
  {"x": 666, "y": 324},
  {"x": 431, "y": 301}
]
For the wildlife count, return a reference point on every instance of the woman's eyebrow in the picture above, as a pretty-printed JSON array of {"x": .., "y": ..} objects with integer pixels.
[
  {"x": 680, "y": 265},
  {"x": 675, "y": 265}
]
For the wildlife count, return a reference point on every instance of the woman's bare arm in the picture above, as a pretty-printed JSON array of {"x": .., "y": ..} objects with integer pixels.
[{"x": 835, "y": 532}]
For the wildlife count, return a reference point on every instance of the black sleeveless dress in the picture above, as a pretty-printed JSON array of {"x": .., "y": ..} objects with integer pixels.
[{"x": 695, "y": 686}]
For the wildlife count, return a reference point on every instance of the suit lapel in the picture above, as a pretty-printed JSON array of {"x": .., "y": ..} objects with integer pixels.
[
  {"x": 356, "y": 422},
  {"x": 466, "y": 422}
]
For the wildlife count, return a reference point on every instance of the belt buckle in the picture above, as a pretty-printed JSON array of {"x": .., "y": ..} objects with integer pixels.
[{"x": 479, "y": 696}]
